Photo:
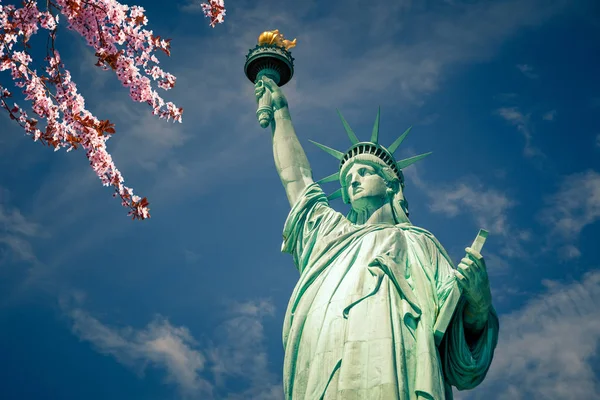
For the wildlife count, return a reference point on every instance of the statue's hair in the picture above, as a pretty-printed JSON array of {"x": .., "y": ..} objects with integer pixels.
[{"x": 395, "y": 194}]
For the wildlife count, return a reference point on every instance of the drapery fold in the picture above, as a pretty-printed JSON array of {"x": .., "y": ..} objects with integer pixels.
[{"x": 360, "y": 320}]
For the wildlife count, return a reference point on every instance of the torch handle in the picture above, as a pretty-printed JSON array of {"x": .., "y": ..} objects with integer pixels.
[{"x": 264, "y": 113}]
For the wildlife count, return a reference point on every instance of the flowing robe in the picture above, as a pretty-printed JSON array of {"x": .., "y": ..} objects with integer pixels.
[{"x": 360, "y": 321}]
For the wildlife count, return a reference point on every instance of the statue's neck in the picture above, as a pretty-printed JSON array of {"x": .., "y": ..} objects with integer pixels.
[{"x": 382, "y": 215}]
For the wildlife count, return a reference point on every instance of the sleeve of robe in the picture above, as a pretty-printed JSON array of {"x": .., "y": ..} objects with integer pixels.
[
  {"x": 309, "y": 221},
  {"x": 465, "y": 364}
]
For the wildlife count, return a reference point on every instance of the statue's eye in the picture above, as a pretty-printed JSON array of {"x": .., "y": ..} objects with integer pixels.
[{"x": 364, "y": 172}]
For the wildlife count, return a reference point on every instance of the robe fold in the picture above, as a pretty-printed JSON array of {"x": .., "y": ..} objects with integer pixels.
[{"x": 360, "y": 321}]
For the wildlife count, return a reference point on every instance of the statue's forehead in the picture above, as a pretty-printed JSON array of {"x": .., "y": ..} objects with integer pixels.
[{"x": 357, "y": 164}]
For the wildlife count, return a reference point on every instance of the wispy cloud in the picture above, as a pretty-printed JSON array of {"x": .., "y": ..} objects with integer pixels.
[
  {"x": 192, "y": 6},
  {"x": 549, "y": 116},
  {"x": 546, "y": 349},
  {"x": 17, "y": 232},
  {"x": 159, "y": 344},
  {"x": 191, "y": 257},
  {"x": 338, "y": 78},
  {"x": 568, "y": 252},
  {"x": 527, "y": 70},
  {"x": 236, "y": 352},
  {"x": 522, "y": 122},
  {"x": 239, "y": 352},
  {"x": 488, "y": 207},
  {"x": 575, "y": 205},
  {"x": 429, "y": 119}
]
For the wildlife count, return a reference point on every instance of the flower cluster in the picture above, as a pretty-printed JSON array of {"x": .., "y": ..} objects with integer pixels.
[
  {"x": 215, "y": 10},
  {"x": 121, "y": 43}
]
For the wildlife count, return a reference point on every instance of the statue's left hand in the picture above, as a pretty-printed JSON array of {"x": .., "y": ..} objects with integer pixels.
[{"x": 472, "y": 277}]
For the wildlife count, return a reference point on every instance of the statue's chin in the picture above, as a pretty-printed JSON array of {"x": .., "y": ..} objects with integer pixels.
[{"x": 363, "y": 202}]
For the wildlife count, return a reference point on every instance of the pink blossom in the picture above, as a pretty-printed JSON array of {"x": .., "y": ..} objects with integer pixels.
[
  {"x": 215, "y": 10},
  {"x": 121, "y": 43}
]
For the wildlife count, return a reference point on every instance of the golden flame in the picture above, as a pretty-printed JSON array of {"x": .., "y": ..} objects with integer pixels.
[{"x": 276, "y": 38}]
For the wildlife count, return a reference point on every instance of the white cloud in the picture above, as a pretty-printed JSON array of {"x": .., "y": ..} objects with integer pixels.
[
  {"x": 523, "y": 125},
  {"x": 575, "y": 205},
  {"x": 17, "y": 231},
  {"x": 517, "y": 244},
  {"x": 193, "y": 6},
  {"x": 333, "y": 76},
  {"x": 429, "y": 119},
  {"x": 569, "y": 251},
  {"x": 546, "y": 349},
  {"x": 20, "y": 248},
  {"x": 191, "y": 257},
  {"x": 238, "y": 352},
  {"x": 489, "y": 207},
  {"x": 97, "y": 77},
  {"x": 527, "y": 70},
  {"x": 13, "y": 221},
  {"x": 159, "y": 344},
  {"x": 549, "y": 116}
]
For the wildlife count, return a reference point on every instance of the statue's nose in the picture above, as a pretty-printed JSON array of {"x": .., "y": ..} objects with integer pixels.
[{"x": 355, "y": 184}]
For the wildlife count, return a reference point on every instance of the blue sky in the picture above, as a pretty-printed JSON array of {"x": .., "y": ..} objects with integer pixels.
[{"x": 190, "y": 304}]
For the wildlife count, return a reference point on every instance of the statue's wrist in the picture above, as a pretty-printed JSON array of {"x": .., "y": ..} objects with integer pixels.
[{"x": 282, "y": 113}]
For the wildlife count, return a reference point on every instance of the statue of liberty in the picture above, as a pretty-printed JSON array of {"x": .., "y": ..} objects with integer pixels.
[{"x": 363, "y": 320}]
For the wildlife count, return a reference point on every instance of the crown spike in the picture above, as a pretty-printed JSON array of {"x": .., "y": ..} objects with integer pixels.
[
  {"x": 409, "y": 161},
  {"x": 335, "y": 195},
  {"x": 375, "y": 133},
  {"x": 330, "y": 178},
  {"x": 349, "y": 130},
  {"x": 337, "y": 154},
  {"x": 398, "y": 141}
]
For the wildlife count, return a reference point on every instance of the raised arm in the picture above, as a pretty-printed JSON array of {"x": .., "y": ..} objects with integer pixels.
[{"x": 290, "y": 160}]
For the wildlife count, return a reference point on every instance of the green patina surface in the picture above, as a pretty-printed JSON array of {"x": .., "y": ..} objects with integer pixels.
[{"x": 379, "y": 311}]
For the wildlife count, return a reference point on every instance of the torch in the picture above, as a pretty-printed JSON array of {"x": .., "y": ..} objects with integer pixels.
[{"x": 271, "y": 58}]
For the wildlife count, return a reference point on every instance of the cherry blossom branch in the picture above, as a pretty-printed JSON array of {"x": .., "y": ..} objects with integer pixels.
[
  {"x": 215, "y": 10},
  {"x": 121, "y": 43}
]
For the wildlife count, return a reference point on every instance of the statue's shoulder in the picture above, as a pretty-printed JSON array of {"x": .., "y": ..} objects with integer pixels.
[
  {"x": 421, "y": 234},
  {"x": 415, "y": 230},
  {"x": 425, "y": 237}
]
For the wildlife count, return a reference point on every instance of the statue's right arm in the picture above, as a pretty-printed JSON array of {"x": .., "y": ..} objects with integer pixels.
[{"x": 290, "y": 160}]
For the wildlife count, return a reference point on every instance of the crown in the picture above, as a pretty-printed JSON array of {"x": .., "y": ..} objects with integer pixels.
[{"x": 367, "y": 151}]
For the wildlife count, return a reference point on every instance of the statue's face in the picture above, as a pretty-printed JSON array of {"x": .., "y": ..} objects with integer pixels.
[{"x": 366, "y": 188}]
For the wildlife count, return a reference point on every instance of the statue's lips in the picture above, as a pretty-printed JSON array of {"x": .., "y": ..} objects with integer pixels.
[{"x": 357, "y": 190}]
